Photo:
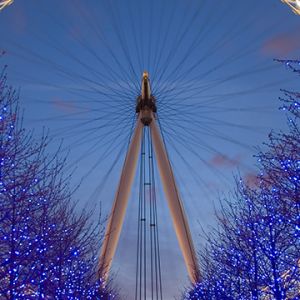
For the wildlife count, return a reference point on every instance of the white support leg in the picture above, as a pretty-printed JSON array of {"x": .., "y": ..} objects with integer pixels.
[
  {"x": 176, "y": 207},
  {"x": 115, "y": 222}
]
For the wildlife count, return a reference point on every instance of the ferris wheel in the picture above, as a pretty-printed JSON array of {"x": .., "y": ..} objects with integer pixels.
[
  {"x": 294, "y": 4},
  {"x": 5, "y": 3}
]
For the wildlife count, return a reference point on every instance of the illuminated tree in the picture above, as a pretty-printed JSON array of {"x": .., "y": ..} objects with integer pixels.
[
  {"x": 47, "y": 249},
  {"x": 254, "y": 252}
]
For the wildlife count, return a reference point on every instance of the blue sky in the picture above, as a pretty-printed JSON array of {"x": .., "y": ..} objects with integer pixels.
[{"x": 78, "y": 65}]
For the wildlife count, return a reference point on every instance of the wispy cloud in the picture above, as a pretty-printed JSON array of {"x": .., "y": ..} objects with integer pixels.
[
  {"x": 251, "y": 179},
  {"x": 281, "y": 45},
  {"x": 222, "y": 160},
  {"x": 63, "y": 105},
  {"x": 19, "y": 19}
]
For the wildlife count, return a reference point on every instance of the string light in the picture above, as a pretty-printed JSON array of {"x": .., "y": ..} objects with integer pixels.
[
  {"x": 45, "y": 251},
  {"x": 254, "y": 253}
]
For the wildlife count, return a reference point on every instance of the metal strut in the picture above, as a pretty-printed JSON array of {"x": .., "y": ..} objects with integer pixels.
[
  {"x": 180, "y": 222},
  {"x": 116, "y": 219},
  {"x": 148, "y": 264},
  {"x": 146, "y": 110}
]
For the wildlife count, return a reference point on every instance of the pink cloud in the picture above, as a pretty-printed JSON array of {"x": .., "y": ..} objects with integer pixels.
[
  {"x": 64, "y": 106},
  {"x": 251, "y": 179},
  {"x": 222, "y": 160},
  {"x": 75, "y": 32},
  {"x": 19, "y": 20},
  {"x": 281, "y": 45}
]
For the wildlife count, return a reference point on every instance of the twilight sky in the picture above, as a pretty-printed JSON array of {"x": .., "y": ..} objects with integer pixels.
[{"x": 78, "y": 66}]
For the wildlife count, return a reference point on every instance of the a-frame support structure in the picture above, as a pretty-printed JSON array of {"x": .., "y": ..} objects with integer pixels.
[{"x": 146, "y": 110}]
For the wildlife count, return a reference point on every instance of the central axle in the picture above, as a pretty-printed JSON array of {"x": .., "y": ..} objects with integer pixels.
[{"x": 145, "y": 102}]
